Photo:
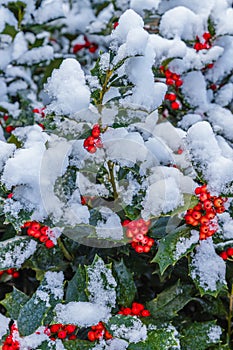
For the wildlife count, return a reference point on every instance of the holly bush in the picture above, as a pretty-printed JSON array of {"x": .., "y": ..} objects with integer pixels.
[{"x": 116, "y": 165}]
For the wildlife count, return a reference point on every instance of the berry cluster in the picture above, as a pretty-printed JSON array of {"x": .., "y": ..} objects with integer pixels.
[
  {"x": 137, "y": 309},
  {"x": 227, "y": 254},
  {"x": 92, "y": 47},
  {"x": 92, "y": 142},
  {"x": 38, "y": 231},
  {"x": 136, "y": 231},
  {"x": 204, "y": 212},
  {"x": 98, "y": 332},
  {"x": 12, "y": 272},
  {"x": 61, "y": 331},
  {"x": 172, "y": 79},
  {"x": 172, "y": 98},
  {"x": 10, "y": 343},
  {"x": 205, "y": 45}
]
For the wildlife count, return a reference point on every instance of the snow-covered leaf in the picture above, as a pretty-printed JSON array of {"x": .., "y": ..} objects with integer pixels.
[{"x": 174, "y": 246}]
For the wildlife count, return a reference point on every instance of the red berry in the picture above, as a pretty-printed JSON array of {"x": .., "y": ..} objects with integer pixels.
[
  {"x": 220, "y": 210},
  {"x": 208, "y": 204},
  {"x": 196, "y": 215},
  {"x": 139, "y": 249},
  {"x": 35, "y": 225},
  {"x": 91, "y": 336},
  {"x": 78, "y": 47},
  {"x": 203, "y": 196},
  {"x": 223, "y": 255},
  {"x": 44, "y": 230},
  {"x": 229, "y": 251},
  {"x": 116, "y": 24},
  {"x": 95, "y": 131},
  {"x": 49, "y": 244},
  {"x": 107, "y": 335},
  {"x": 218, "y": 202},
  {"x": 93, "y": 48},
  {"x": 9, "y": 128},
  {"x": 179, "y": 83},
  {"x": 146, "y": 249},
  {"x": 204, "y": 229},
  {"x": 145, "y": 313},
  {"x": 55, "y": 327},
  {"x": 62, "y": 334},
  {"x": 126, "y": 311},
  {"x": 90, "y": 140},
  {"x": 206, "y": 36},
  {"x": 70, "y": 328},
  {"x": 204, "y": 220},
  {"x": 15, "y": 274},
  {"x": 91, "y": 149},
  {"x": 175, "y": 105},
  {"x": 169, "y": 81},
  {"x": 73, "y": 337},
  {"x": 98, "y": 143}
]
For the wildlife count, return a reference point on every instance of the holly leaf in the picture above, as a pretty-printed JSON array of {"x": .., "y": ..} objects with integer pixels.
[
  {"x": 126, "y": 288},
  {"x": 16, "y": 250},
  {"x": 169, "y": 302},
  {"x": 41, "y": 304},
  {"x": 13, "y": 302},
  {"x": 160, "y": 338},
  {"x": 200, "y": 335},
  {"x": 76, "y": 286},
  {"x": 174, "y": 246}
]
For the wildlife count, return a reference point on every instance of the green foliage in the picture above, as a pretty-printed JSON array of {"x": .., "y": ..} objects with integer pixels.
[
  {"x": 13, "y": 302},
  {"x": 76, "y": 286},
  {"x": 126, "y": 289},
  {"x": 170, "y": 301},
  {"x": 166, "y": 254}
]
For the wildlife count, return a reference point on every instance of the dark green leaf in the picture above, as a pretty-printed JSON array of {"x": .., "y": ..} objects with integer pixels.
[
  {"x": 76, "y": 286},
  {"x": 167, "y": 252},
  {"x": 200, "y": 335},
  {"x": 13, "y": 302},
  {"x": 170, "y": 301},
  {"x": 126, "y": 289}
]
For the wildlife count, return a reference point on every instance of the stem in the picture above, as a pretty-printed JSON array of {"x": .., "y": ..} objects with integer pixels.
[
  {"x": 112, "y": 178},
  {"x": 230, "y": 316},
  {"x": 105, "y": 88},
  {"x": 67, "y": 255}
]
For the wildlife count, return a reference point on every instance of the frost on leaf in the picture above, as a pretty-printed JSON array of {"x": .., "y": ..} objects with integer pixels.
[
  {"x": 101, "y": 284},
  {"x": 14, "y": 251},
  {"x": 208, "y": 269}
]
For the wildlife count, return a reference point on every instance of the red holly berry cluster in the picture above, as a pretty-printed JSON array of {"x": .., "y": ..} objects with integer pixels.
[
  {"x": 172, "y": 79},
  {"x": 92, "y": 47},
  {"x": 92, "y": 142},
  {"x": 10, "y": 343},
  {"x": 137, "y": 309},
  {"x": 61, "y": 331},
  {"x": 39, "y": 111},
  {"x": 205, "y": 45},
  {"x": 172, "y": 98},
  {"x": 12, "y": 272},
  {"x": 99, "y": 332},
  {"x": 227, "y": 253},
  {"x": 38, "y": 231},
  {"x": 136, "y": 231},
  {"x": 204, "y": 212}
]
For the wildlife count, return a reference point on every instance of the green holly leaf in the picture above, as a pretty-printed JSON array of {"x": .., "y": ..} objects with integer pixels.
[
  {"x": 189, "y": 202},
  {"x": 174, "y": 246},
  {"x": 41, "y": 304},
  {"x": 76, "y": 286},
  {"x": 13, "y": 302},
  {"x": 78, "y": 345},
  {"x": 170, "y": 301},
  {"x": 160, "y": 338},
  {"x": 200, "y": 335},
  {"x": 16, "y": 250},
  {"x": 123, "y": 326},
  {"x": 126, "y": 288}
]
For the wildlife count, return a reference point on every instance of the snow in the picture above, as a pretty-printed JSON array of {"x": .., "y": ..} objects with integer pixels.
[
  {"x": 110, "y": 225},
  {"x": 4, "y": 321},
  {"x": 32, "y": 341},
  {"x": 139, "y": 6},
  {"x": 184, "y": 24},
  {"x": 36, "y": 55},
  {"x": 49, "y": 11},
  {"x": 101, "y": 285},
  {"x": 134, "y": 332},
  {"x": 82, "y": 314},
  {"x": 207, "y": 156},
  {"x": 6, "y": 150},
  {"x": 214, "y": 334},
  {"x": 52, "y": 286},
  {"x": 186, "y": 243},
  {"x": 67, "y": 89},
  {"x": 17, "y": 252},
  {"x": 207, "y": 267}
]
